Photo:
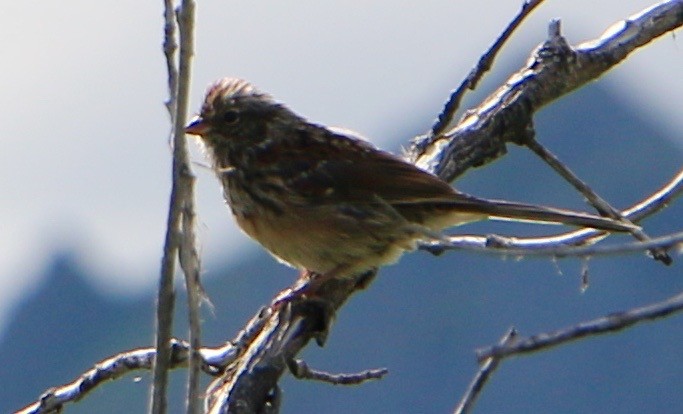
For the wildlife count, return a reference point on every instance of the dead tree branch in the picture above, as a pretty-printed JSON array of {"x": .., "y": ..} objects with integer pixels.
[
  {"x": 53, "y": 400},
  {"x": 470, "y": 82},
  {"x": 479, "y": 138},
  {"x": 610, "y": 323},
  {"x": 180, "y": 240},
  {"x": 506, "y": 116},
  {"x": 558, "y": 245},
  {"x": 486, "y": 369}
]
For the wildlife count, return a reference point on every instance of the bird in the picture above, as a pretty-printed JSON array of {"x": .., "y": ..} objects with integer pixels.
[{"x": 325, "y": 200}]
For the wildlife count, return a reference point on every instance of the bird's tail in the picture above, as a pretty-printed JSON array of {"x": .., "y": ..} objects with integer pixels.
[{"x": 512, "y": 211}]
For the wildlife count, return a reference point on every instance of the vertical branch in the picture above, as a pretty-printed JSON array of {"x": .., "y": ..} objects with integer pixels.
[
  {"x": 170, "y": 48},
  {"x": 190, "y": 263},
  {"x": 179, "y": 233},
  {"x": 189, "y": 258},
  {"x": 166, "y": 295}
]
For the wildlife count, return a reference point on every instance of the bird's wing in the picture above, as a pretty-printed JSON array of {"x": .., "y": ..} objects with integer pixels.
[{"x": 355, "y": 171}]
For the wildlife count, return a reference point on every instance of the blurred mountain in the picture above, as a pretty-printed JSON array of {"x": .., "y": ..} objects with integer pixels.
[{"x": 423, "y": 318}]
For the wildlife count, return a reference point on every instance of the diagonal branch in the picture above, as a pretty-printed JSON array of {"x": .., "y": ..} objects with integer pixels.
[
  {"x": 488, "y": 366},
  {"x": 511, "y": 345},
  {"x": 214, "y": 361},
  {"x": 470, "y": 82},
  {"x": 53, "y": 400},
  {"x": 610, "y": 323},
  {"x": 301, "y": 370},
  {"x": 593, "y": 198},
  {"x": 557, "y": 245},
  {"x": 506, "y": 116},
  {"x": 511, "y": 246}
]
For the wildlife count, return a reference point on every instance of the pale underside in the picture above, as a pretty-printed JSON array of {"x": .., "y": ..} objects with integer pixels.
[{"x": 313, "y": 240}]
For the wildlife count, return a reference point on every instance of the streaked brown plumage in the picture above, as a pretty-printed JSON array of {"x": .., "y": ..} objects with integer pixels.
[{"x": 327, "y": 201}]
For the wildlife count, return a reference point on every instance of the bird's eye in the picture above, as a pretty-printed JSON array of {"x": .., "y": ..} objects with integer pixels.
[{"x": 230, "y": 117}]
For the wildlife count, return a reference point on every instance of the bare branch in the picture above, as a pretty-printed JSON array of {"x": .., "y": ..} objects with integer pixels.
[
  {"x": 188, "y": 255},
  {"x": 506, "y": 115},
  {"x": 224, "y": 392},
  {"x": 558, "y": 245},
  {"x": 610, "y": 323},
  {"x": 486, "y": 369},
  {"x": 598, "y": 202},
  {"x": 301, "y": 370},
  {"x": 166, "y": 293},
  {"x": 170, "y": 48},
  {"x": 659, "y": 200},
  {"x": 52, "y": 400},
  {"x": 288, "y": 327},
  {"x": 511, "y": 246},
  {"x": 214, "y": 361},
  {"x": 180, "y": 214},
  {"x": 470, "y": 82}
]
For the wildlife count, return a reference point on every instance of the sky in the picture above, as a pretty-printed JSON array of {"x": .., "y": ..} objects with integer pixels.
[{"x": 86, "y": 166}]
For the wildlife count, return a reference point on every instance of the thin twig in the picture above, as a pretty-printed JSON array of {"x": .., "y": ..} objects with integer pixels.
[
  {"x": 558, "y": 245},
  {"x": 593, "y": 198},
  {"x": 511, "y": 246},
  {"x": 610, "y": 323},
  {"x": 659, "y": 200},
  {"x": 170, "y": 48},
  {"x": 470, "y": 82},
  {"x": 486, "y": 369},
  {"x": 301, "y": 370}
]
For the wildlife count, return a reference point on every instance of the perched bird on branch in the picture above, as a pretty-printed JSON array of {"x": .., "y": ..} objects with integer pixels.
[{"x": 325, "y": 200}]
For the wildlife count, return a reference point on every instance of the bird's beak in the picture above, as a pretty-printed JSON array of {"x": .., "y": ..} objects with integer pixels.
[{"x": 198, "y": 126}]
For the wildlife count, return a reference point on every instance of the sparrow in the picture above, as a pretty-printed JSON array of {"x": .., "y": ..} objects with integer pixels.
[{"x": 324, "y": 200}]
